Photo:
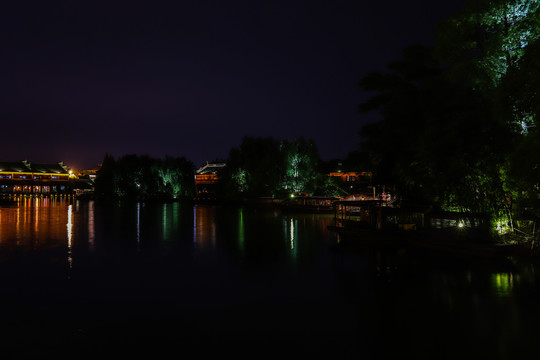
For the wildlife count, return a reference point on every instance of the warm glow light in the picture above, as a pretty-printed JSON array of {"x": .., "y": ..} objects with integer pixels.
[{"x": 69, "y": 235}]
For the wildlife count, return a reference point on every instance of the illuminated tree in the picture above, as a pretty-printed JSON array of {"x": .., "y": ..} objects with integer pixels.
[
  {"x": 452, "y": 125},
  {"x": 440, "y": 140},
  {"x": 142, "y": 176},
  {"x": 491, "y": 33},
  {"x": 301, "y": 165},
  {"x": 488, "y": 40},
  {"x": 268, "y": 167}
]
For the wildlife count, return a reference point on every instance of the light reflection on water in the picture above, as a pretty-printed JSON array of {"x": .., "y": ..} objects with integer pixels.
[
  {"x": 204, "y": 227},
  {"x": 268, "y": 257},
  {"x": 36, "y": 223},
  {"x": 504, "y": 283}
]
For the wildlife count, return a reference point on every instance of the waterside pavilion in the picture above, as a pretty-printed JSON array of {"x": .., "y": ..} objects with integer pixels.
[{"x": 25, "y": 178}]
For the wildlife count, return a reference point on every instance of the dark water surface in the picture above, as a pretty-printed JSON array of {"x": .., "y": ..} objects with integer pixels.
[{"x": 87, "y": 279}]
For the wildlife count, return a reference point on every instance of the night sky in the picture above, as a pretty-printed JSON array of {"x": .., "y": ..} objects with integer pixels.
[{"x": 191, "y": 78}]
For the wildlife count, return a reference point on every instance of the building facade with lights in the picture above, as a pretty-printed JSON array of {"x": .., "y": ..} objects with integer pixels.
[
  {"x": 206, "y": 180},
  {"x": 24, "y": 177}
]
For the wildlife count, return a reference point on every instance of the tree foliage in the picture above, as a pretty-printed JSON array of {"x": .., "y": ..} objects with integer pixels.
[
  {"x": 458, "y": 124},
  {"x": 143, "y": 176},
  {"x": 270, "y": 167}
]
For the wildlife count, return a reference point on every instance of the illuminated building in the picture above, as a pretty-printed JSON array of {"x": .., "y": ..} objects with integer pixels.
[
  {"x": 89, "y": 173},
  {"x": 35, "y": 178},
  {"x": 351, "y": 176},
  {"x": 206, "y": 180},
  {"x": 352, "y": 182}
]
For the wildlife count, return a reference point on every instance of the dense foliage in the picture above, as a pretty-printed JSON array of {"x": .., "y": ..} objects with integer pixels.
[
  {"x": 274, "y": 168},
  {"x": 143, "y": 176},
  {"x": 458, "y": 121}
]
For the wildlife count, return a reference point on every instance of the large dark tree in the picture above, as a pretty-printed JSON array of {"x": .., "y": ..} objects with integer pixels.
[{"x": 452, "y": 123}]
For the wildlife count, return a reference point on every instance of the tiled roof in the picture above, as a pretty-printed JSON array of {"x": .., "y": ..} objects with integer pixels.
[
  {"x": 19, "y": 166},
  {"x": 210, "y": 169},
  {"x": 24, "y": 166},
  {"x": 49, "y": 168}
]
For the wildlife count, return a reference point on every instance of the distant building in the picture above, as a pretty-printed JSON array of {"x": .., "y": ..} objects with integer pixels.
[
  {"x": 90, "y": 174},
  {"x": 206, "y": 180},
  {"x": 351, "y": 182},
  {"x": 351, "y": 176},
  {"x": 34, "y": 178}
]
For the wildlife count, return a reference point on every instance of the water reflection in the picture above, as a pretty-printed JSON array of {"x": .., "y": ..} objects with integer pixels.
[
  {"x": 290, "y": 227},
  {"x": 289, "y": 260},
  {"x": 91, "y": 227},
  {"x": 138, "y": 223},
  {"x": 241, "y": 231},
  {"x": 503, "y": 283},
  {"x": 204, "y": 226},
  {"x": 36, "y": 223},
  {"x": 164, "y": 222},
  {"x": 69, "y": 226}
]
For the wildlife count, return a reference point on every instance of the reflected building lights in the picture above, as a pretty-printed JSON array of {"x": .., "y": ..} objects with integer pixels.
[
  {"x": 91, "y": 226},
  {"x": 204, "y": 227},
  {"x": 18, "y": 222},
  {"x": 69, "y": 234},
  {"x": 36, "y": 223},
  {"x": 195, "y": 224},
  {"x": 36, "y": 214}
]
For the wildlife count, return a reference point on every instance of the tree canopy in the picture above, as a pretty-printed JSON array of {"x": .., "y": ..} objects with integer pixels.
[
  {"x": 143, "y": 176},
  {"x": 458, "y": 120},
  {"x": 274, "y": 168}
]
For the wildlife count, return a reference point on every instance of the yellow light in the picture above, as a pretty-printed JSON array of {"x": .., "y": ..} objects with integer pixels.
[{"x": 292, "y": 195}]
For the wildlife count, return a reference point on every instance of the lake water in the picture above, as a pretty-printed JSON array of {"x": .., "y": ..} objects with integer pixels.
[{"x": 83, "y": 279}]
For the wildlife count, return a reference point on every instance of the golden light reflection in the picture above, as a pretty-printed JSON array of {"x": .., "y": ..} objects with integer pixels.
[
  {"x": 35, "y": 223},
  {"x": 204, "y": 227},
  {"x": 69, "y": 226},
  {"x": 18, "y": 222}
]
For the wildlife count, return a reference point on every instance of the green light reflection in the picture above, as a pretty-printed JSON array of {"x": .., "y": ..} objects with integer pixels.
[
  {"x": 241, "y": 237},
  {"x": 503, "y": 283}
]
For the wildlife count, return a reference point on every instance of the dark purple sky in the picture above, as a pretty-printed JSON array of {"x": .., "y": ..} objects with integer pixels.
[{"x": 191, "y": 78}]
